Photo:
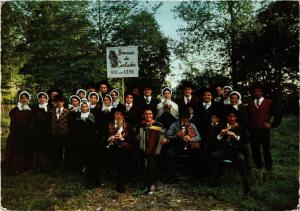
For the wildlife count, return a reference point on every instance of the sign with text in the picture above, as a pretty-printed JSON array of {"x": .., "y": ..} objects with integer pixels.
[{"x": 122, "y": 62}]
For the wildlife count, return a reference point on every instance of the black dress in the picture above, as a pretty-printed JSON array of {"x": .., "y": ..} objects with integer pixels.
[
  {"x": 89, "y": 148},
  {"x": 19, "y": 142},
  {"x": 73, "y": 161},
  {"x": 41, "y": 137}
]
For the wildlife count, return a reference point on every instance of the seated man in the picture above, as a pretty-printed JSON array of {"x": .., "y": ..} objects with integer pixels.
[
  {"x": 183, "y": 138},
  {"x": 233, "y": 139}
]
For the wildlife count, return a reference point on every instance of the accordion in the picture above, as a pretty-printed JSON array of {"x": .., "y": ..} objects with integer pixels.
[{"x": 150, "y": 138}]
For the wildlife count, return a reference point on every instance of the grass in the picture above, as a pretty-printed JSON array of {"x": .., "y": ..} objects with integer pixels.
[{"x": 276, "y": 191}]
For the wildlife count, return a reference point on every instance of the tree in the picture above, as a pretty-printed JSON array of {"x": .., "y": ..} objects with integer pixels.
[
  {"x": 269, "y": 53},
  {"x": 11, "y": 36},
  {"x": 211, "y": 32},
  {"x": 58, "y": 45},
  {"x": 142, "y": 30},
  {"x": 106, "y": 18}
]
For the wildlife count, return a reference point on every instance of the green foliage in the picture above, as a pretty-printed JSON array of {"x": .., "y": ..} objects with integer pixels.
[
  {"x": 229, "y": 38},
  {"x": 269, "y": 52},
  {"x": 61, "y": 43},
  {"x": 142, "y": 30},
  {"x": 57, "y": 39},
  {"x": 13, "y": 22},
  {"x": 210, "y": 33}
]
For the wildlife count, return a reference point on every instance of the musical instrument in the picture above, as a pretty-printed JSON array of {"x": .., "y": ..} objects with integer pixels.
[
  {"x": 150, "y": 138},
  {"x": 112, "y": 138},
  {"x": 187, "y": 130},
  {"x": 230, "y": 141}
]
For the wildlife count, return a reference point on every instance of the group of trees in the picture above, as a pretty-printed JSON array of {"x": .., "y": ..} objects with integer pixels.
[
  {"x": 63, "y": 43},
  {"x": 242, "y": 41}
]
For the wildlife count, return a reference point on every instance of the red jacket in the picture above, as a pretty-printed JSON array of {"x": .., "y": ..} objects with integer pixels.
[{"x": 262, "y": 114}]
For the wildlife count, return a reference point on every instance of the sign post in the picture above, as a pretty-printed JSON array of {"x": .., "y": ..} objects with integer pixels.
[{"x": 122, "y": 62}]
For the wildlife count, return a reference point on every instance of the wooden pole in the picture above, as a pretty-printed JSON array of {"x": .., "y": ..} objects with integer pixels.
[{"x": 123, "y": 90}]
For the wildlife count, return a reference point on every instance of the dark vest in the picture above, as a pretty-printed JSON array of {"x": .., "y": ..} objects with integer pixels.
[{"x": 261, "y": 115}]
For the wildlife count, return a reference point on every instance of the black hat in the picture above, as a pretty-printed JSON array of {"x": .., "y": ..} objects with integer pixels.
[
  {"x": 187, "y": 83},
  {"x": 184, "y": 114},
  {"x": 104, "y": 82},
  {"x": 148, "y": 107},
  {"x": 205, "y": 89},
  {"x": 120, "y": 108},
  {"x": 147, "y": 84},
  {"x": 215, "y": 112},
  {"x": 129, "y": 93},
  {"x": 59, "y": 97},
  {"x": 230, "y": 111},
  {"x": 91, "y": 85},
  {"x": 136, "y": 85},
  {"x": 54, "y": 89},
  {"x": 256, "y": 86}
]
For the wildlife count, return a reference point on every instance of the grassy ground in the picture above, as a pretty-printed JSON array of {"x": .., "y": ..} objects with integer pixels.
[{"x": 276, "y": 191}]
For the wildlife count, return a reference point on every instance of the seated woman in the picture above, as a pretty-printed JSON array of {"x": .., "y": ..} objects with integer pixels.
[
  {"x": 120, "y": 144},
  {"x": 150, "y": 139},
  {"x": 233, "y": 139},
  {"x": 167, "y": 110},
  {"x": 17, "y": 153}
]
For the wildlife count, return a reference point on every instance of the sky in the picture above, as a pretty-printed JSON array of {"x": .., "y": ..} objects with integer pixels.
[{"x": 169, "y": 25}]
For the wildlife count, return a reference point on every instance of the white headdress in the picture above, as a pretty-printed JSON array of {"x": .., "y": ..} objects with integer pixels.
[
  {"x": 93, "y": 93},
  {"x": 81, "y": 90},
  {"x": 42, "y": 93},
  {"x": 238, "y": 94}
]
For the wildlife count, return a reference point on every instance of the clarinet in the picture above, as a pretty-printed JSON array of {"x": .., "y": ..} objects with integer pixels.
[
  {"x": 114, "y": 137},
  {"x": 186, "y": 145},
  {"x": 230, "y": 142}
]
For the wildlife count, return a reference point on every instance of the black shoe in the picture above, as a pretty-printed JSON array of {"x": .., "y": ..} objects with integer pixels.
[{"x": 120, "y": 189}]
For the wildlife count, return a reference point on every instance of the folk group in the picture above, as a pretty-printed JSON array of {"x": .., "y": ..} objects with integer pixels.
[{"x": 142, "y": 138}]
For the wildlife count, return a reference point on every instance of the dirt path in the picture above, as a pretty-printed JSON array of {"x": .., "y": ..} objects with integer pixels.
[{"x": 179, "y": 196}]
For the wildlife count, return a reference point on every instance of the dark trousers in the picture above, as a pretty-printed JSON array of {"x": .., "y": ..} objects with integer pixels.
[
  {"x": 123, "y": 162},
  {"x": 195, "y": 164},
  {"x": 92, "y": 159},
  {"x": 260, "y": 137},
  {"x": 58, "y": 150},
  {"x": 150, "y": 170},
  {"x": 236, "y": 156}
]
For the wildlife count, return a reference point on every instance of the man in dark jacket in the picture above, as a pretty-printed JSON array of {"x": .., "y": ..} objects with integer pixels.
[
  {"x": 233, "y": 139},
  {"x": 262, "y": 116},
  {"x": 147, "y": 99}
]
